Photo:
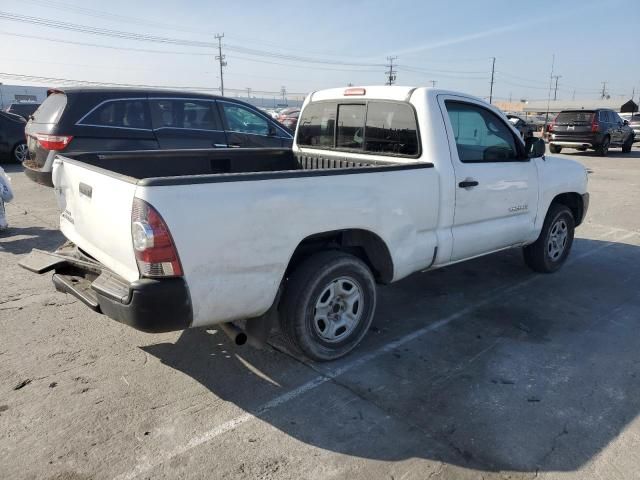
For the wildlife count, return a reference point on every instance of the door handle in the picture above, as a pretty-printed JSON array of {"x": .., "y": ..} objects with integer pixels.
[
  {"x": 468, "y": 184},
  {"x": 220, "y": 145},
  {"x": 234, "y": 145}
]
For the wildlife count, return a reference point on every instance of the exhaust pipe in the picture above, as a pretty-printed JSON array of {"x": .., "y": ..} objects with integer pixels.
[{"x": 237, "y": 336}]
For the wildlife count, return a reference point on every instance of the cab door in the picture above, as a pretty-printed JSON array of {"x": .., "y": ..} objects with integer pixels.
[{"x": 495, "y": 182}]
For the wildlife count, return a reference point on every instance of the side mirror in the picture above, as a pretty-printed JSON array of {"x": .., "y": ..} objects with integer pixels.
[
  {"x": 626, "y": 122},
  {"x": 272, "y": 130},
  {"x": 535, "y": 147}
]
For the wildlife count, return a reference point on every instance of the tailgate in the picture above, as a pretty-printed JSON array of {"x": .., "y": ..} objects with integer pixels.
[{"x": 96, "y": 213}]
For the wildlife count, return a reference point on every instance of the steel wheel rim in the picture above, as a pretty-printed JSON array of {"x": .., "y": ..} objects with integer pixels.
[
  {"x": 558, "y": 236},
  {"x": 21, "y": 152},
  {"x": 338, "y": 309}
]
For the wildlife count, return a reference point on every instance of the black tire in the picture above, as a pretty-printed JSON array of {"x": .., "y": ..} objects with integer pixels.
[
  {"x": 554, "y": 148},
  {"x": 626, "y": 146},
  {"x": 19, "y": 153},
  {"x": 307, "y": 287},
  {"x": 602, "y": 150},
  {"x": 582, "y": 149},
  {"x": 538, "y": 255}
]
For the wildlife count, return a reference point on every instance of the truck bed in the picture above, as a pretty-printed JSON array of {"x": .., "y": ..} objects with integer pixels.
[{"x": 176, "y": 167}]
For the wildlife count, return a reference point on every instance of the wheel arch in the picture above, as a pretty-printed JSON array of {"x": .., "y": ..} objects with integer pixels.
[
  {"x": 572, "y": 200},
  {"x": 364, "y": 244}
]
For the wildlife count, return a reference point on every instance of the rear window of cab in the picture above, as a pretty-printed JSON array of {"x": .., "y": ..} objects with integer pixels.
[{"x": 380, "y": 127}]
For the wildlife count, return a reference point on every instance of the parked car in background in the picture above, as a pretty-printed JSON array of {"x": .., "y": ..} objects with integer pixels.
[
  {"x": 287, "y": 112},
  {"x": 272, "y": 112},
  {"x": 13, "y": 146},
  {"x": 634, "y": 123},
  {"x": 108, "y": 119},
  {"x": 590, "y": 129},
  {"x": 525, "y": 128},
  {"x": 367, "y": 195},
  {"x": 25, "y": 110},
  {"x": 290, "y": 120}
]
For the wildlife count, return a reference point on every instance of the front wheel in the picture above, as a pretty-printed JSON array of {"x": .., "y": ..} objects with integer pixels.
[
  {"x": 328, "y": 305},
  {"x": 626, "y": 146},
  {"x": 554, "y": 148},
  {"x": 550, "y": 250}
]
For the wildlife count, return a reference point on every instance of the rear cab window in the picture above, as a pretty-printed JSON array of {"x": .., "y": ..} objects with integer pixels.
[
  {"x": 131, "y": 113},
  {"x": 376, "y": 127},
  {"x": 51, "y": 109}
]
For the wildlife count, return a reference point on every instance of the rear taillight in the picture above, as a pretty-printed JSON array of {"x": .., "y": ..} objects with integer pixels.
[
  {"x": 53, "y": 142},
  {"x": 155, "y": 251},
  {"x": 594, "y": 124}
]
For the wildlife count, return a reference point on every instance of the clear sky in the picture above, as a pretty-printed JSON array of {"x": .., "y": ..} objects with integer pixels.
[{"x": 312, "y": 45}]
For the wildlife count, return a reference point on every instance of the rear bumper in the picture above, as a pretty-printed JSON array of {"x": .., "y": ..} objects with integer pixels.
[
  {"x": 576, "y": 141},
  {"x": 150, "y": 305},
  {"x": 38, "y": 176}
]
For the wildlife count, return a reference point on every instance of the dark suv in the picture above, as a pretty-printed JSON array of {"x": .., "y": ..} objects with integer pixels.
[
  {"x": 596, "y": 129},
  {"x": 25, "y": 110},
  {"x": 111, "y": 119},
  {"x": 12, "y": 144}
]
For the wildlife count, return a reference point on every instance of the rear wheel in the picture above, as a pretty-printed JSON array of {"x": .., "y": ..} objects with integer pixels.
[
  {"x": 603, "y": 149},
  {"x": 20, "y": 152},
  {"x": 550, "y": 250},
  {"x": 626, "y": 146},
  {"x": 554, "y": 148},
  {"x": 328, "y": 305}
]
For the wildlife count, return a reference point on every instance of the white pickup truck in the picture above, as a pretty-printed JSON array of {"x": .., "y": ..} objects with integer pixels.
[{"x": 381, "y": 182}]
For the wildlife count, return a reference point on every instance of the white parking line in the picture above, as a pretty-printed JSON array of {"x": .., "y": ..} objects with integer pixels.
[{"x": 147, "y": 464}]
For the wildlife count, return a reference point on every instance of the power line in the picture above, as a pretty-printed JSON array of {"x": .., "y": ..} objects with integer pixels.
[
  {"x": 68, "y": 81},
  {"x": 391, "y": 75},
  {"x": 101, "y": 31},
  {"x": 111, "y": 16}
]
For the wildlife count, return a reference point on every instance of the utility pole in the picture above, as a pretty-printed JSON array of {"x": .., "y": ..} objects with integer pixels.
[
  {"x": 493, "y": 70},
  {"x": 283, "y": 92},
  {"x": 573, "y": 97},
  {"x": 604, "y": 90},
  {"x": 433, "y": 83},
  {"x": 555, "y": 91},
  {"x": 391, "y": 75},
  {"x": 510, "y": 97},
  {"x": 220, "y": 57},
  {"x": 546, "y": 118},
  {"x": 248, "y": 92}
]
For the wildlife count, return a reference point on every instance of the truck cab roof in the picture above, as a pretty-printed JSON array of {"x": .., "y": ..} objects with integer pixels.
[{"x": 379, "y": 92}]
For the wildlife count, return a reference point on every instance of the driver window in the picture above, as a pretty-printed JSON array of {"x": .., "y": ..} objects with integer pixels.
[
  {"x": 481, "y": 136},
  {"x": 243, "y": 120}
]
